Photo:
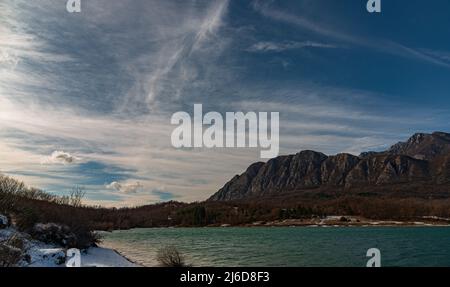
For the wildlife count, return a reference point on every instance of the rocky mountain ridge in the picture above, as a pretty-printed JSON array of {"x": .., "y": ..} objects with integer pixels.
[{"x": 422, "y": 158}]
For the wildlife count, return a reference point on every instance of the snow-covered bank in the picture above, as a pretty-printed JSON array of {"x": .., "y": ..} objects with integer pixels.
[
  {"x": 104, "y": 257},
  {"x": 92, "y": 257},
  {"x": 39, "y": 254}
]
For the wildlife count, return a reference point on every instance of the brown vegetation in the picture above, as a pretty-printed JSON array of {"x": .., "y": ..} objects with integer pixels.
[
  {"x": 11, "y": 251},
  {"x": 28, "y": 206},
  {"x": 9, "y": 256}
]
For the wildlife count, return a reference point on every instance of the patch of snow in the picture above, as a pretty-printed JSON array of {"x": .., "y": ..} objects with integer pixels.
[
  {"x": 3, "y": 220},
  {"x": 48, "y": 255},
  {"x": 104, "y": 257},
  {"x": 6, "y": 233},
  {"x": 436, "y": 218}
]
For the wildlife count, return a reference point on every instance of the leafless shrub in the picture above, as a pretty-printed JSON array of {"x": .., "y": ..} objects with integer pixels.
[
  {"x": 169, "y": 256},
  {"x": 9, "y": 255},
  {"x": 16, "y": 241}
]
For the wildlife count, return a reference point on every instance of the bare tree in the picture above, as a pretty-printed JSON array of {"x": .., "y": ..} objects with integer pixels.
[
  {"x": 76, "y": 196},
  {"x": 10, "y": 189}
]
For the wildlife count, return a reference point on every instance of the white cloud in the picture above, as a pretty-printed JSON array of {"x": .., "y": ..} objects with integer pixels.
[
  {"x": 8, "y": 58},
  {"x": 168, "y": 51},
  {"x": 127, "y": 188},
  {"x": 61, "y": 157}
]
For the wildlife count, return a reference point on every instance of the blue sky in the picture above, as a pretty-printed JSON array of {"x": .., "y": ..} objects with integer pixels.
[{"x": 86, "y": 98}]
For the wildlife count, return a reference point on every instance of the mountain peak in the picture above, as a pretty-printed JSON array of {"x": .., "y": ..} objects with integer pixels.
[
  {"x": 423, "y": 157},
  {"x": 423, "y": 145}
]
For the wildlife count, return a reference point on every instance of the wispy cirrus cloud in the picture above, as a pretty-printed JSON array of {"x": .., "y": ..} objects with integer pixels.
[
  {"x": 179, "y": 61},
  {"x": 262, "y": 47},
  {"x": 93, "y": 93},
  {"x": 442, "y": 55},
  {"x": 266, "y": 9}
]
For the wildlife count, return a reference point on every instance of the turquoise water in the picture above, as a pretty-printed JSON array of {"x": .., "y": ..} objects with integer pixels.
[{"x": 290, "y": 246}]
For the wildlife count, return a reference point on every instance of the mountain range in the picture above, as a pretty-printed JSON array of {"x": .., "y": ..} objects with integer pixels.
[{"x": 423, "y": 160}]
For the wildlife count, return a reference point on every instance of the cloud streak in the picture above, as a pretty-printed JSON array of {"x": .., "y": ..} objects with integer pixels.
[
  {"x": 93, "y": 93},
  {"x": 380, "y": 45},
  {"x": 284, "y": 46}
]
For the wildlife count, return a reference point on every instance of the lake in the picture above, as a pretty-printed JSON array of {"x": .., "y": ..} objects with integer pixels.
[{"x": 287, "y": 246}]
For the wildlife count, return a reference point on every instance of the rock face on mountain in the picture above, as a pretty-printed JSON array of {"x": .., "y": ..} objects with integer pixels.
[
  {"x": 424, "y": 146},
  {"x": 335, "y": 169},
  {"x": 424, "y": 157},
  {"x": 419, "y": 146},
  {"x": 385, "y": 169}
]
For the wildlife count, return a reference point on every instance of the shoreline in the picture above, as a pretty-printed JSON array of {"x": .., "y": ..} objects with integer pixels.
[
  {"x": 35, "y": 253},
  {"x": 351, "y": 221},
  {"x": 135, "y": 264},
  {"x": 125, "y": 257},
  {"x": 329, "y": 221},
  {"x": 105, "y": 257}
]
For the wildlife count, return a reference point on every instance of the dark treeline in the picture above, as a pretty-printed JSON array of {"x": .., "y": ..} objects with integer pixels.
[{"x": 27, "y": 207}]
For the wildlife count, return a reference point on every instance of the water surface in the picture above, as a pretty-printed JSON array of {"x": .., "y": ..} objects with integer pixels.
[{"x": 288, "y": 246}]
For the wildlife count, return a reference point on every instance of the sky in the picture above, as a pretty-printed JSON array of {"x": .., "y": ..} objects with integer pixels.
[{"x": 86, "y": 98}]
